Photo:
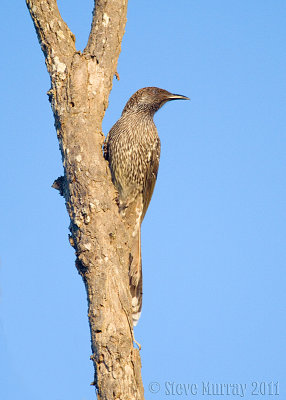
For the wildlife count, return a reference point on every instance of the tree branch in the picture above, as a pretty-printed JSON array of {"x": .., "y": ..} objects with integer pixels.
[
  {"x": 81, "y": 84},
  {"x": 107, "y": 30},
  {"x": 55, "y": 38}
]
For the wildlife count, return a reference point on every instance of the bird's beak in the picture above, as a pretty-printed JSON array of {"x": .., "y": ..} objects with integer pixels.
[{"x": 177, "y": 97}]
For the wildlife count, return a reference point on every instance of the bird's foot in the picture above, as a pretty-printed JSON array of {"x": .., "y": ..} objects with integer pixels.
[
  {"x": 135, "y": 341},
  {"x": 138, "y": 344}
]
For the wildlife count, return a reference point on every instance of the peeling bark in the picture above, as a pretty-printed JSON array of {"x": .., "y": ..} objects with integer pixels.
[{"x": 80, "y": 86}]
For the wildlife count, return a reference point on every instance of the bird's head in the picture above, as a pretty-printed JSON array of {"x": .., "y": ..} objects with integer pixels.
[{"x": 150, "y": 99}]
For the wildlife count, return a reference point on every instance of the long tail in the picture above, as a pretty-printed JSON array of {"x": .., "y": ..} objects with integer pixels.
[
  {"x": 132, "y": 213},
  {"x": 135, "y": 276}
]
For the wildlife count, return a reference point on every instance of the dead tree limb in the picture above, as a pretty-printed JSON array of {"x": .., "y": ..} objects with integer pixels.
[{"x": 80, "y": 86}]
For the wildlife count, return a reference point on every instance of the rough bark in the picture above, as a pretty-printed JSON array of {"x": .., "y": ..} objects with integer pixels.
[{"x": 80, "y": 86}]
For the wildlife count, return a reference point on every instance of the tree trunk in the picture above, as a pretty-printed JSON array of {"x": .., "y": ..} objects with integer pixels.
[{"x": 80, "y": 86}]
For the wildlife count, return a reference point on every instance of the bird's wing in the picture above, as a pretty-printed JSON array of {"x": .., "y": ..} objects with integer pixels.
[{"x": 151, "y": 175}]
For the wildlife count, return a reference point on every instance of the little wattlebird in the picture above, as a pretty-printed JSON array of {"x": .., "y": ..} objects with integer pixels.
[{"x": 132, "y": 148}]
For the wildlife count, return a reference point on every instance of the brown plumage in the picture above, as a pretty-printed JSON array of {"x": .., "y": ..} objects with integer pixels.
[{"x": 132, "y": 149}]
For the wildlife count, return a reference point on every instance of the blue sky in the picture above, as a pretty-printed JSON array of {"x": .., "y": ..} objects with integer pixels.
[{"x": 214, "y": 235}]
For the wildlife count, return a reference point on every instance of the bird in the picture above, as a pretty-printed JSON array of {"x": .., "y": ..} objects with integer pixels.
[{"x": 132, "y": 149}]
